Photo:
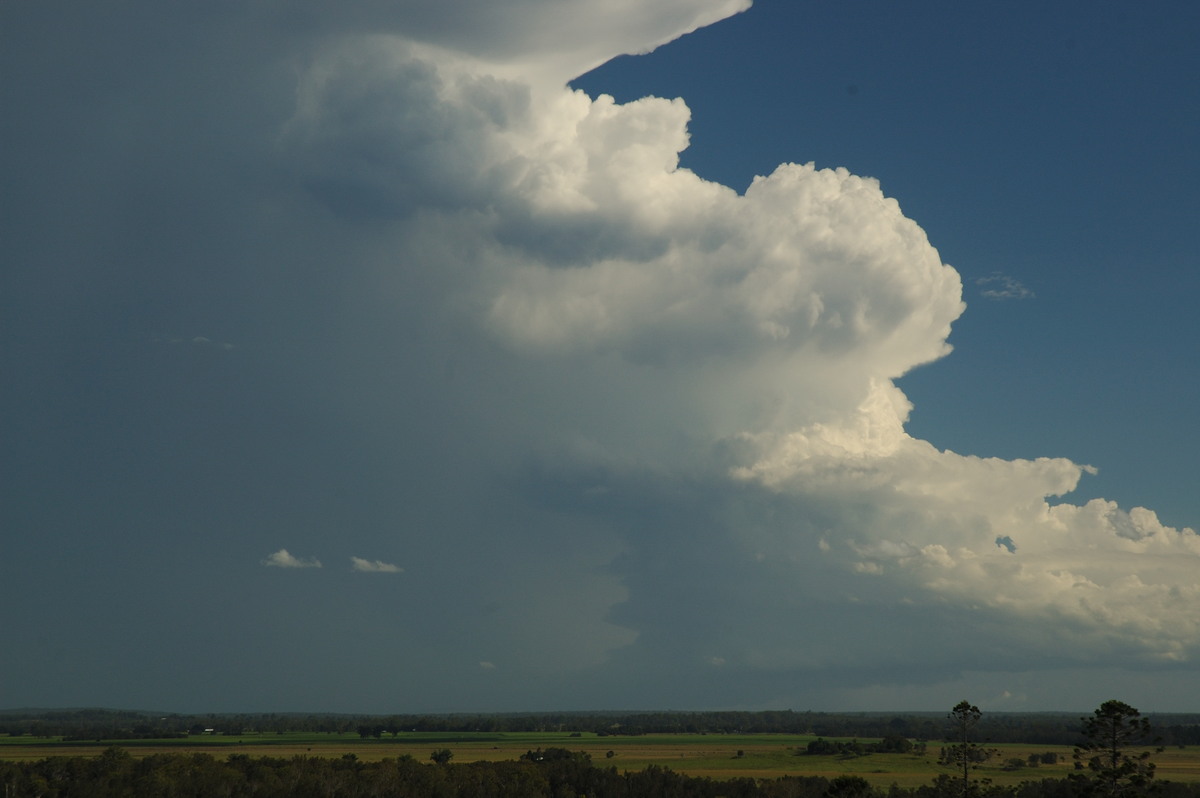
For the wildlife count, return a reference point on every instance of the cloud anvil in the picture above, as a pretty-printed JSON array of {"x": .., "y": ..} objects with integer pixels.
[{"x": 635, "y": 436}]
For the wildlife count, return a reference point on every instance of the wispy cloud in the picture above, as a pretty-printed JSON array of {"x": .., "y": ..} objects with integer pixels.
[
  {"x": 195, "y": 340},
  {"x": 283, "y": 559},
  {"x": 374, "y": 566},
  {"x": 1000, "y": 286}
]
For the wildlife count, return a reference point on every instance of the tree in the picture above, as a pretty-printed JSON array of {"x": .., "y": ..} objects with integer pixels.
[
  {"x": 849, "y": 787},
  {"x": 963, "y": 754},
  {"x": 894, "y": 744},
  {"x": 556, "y": 755},
  {"x": 442, "y": 756},
  {"x": 1112, "y": 730}
]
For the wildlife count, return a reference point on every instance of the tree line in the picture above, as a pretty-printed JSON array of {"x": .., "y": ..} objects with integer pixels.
[
  {"x": 1112, "y": 761},
  {"x": 1033, "y": 728}
]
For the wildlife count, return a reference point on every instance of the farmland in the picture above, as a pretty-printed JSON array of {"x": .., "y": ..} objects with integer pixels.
[{"x": 716, "y": 756}]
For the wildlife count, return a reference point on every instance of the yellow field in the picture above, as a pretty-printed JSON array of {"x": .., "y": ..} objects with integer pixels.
[{"x": 715, "y": 756}]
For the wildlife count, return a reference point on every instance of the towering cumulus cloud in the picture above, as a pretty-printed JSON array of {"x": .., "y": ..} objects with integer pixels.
[
  {"x": 725, "y": 363},
  {"x": 631, "y": 431}
]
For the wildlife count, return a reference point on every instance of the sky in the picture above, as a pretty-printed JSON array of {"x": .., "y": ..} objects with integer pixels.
[{"x": 530, "y": 355}]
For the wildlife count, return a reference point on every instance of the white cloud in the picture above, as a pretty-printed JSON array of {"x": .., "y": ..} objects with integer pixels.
[
  {"x": 374, "y": 566},
  {"x": 978, "y": 533},
  {"x": 282, "y": 559},
  {"x": 646, "y": 326},
  {"x": 542, "y": 40},
  {"x": 1001, "y": 286}
]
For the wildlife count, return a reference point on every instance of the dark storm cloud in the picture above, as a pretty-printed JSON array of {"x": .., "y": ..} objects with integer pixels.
[{"x": 633, "y": 436}]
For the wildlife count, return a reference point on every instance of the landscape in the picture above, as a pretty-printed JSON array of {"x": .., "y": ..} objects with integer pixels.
[
  {"x": 1115, "y": 751},
  {"x": 599, "y": 399}
]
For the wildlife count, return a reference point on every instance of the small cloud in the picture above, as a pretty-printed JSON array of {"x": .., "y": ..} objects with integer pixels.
[
  {"x": 374, "y": 566},
  {"x": 716, "y": 662},
  {"x": 196, "y": 340},
  {"x": 282, "y": 559},
  {"x": 1009, "y": 697},
  {"x": 487, "y": 666},
  {"x": 1000, "y": 286}
]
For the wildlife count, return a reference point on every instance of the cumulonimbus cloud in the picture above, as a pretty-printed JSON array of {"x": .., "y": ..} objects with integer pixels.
[
  {"x": 651, "y": 424},
  {"x": 770, "y": 325}
]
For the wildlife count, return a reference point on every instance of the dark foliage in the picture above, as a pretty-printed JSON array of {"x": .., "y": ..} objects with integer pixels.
[
  {"x": 1033, "y": 728},
  {"x": 1114, "y": 751},
  {"x": 553, "y": 773}
]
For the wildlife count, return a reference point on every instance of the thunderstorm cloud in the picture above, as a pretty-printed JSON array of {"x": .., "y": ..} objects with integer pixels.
[
  {"x": 723, "y": 362},
  {"x": 649, "y": 426}
]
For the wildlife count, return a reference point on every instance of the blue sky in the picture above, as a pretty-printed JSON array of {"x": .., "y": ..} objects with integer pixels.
[
  {"x": 1052, "y": 146},
  {"x": 390, "y": 357}
]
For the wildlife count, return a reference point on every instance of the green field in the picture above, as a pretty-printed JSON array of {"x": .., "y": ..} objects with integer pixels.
[{"x": 719, "y": 756}]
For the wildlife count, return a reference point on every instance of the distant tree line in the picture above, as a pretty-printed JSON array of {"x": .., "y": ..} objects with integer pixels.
[
  {"x": 1033, "y": 728},
  {"x": 1111, "y": 761}
]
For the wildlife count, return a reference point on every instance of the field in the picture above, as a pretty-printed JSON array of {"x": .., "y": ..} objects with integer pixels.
[{"x": 717, "y": 756}]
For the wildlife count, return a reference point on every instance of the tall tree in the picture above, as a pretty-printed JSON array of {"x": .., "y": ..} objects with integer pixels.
[
  {"x": 963, "y": 754},
  {"x": 1116, "y": 750}
]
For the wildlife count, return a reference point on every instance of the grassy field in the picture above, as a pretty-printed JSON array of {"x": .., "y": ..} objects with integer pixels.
[{"x": 714, "y": 755}]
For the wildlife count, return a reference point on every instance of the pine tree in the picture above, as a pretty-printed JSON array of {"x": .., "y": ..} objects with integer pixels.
[
  {"x": 963, "y": 754},
  {"x": 1112, "y": 731}
]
